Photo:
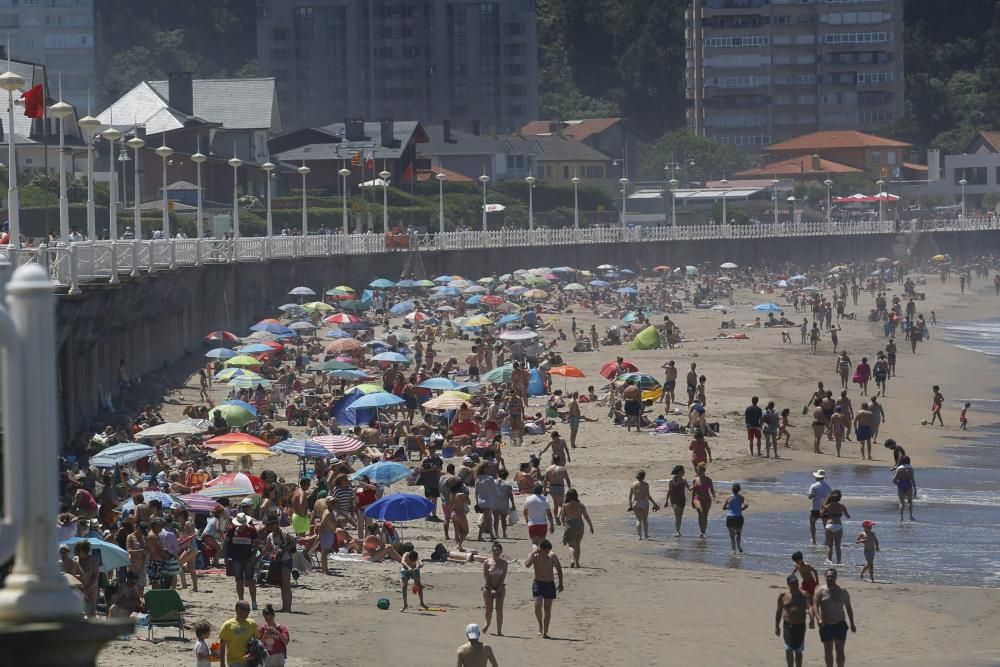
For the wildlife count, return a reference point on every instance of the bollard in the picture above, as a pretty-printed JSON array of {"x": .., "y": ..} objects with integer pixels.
[
  {"x": 74, "y": 270},
  {"x": 114, "y": 263},
  {"x": 173, "y": 254},
  {"x": 135, "y": 258},
  {"x": 197, "y": 252}
]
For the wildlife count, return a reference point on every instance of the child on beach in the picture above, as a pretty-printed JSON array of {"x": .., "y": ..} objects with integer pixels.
[
  {"x": 202, "y": 652},
  {"x": 409, "y": 569},
  {"x": 785, "y": 425},
  {"x": 867, "y": 537},
  {"x": 963, "y": 419}
]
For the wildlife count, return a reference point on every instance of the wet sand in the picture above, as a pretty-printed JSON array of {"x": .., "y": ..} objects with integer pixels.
[{"x": 635, "y": 603}]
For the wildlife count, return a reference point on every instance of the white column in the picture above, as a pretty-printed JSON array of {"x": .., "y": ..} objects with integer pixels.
[
  {"x": 135, "y": 143},
  {"x": 344, "y": 173},
  {"x": 60, "y": 110},
  {"x": 384, "y": 175},
  {"x": 164, "y": 152},
  {"x": 530, "y": 180},
  {"x": 484, "y": 179},
  {"x": 235, "y": 163},
  {"x": 576, "y": 202},
  {"x": 624, "y": 184},
  {"x": 198, "y": 159},
  {"x": 441, "y": 178},
  {"x": 112, "y": 135},
  {"x": 304, "y": 170},
  {"x": 269, "y": 168},
  {"x": 10, "y": 82},
  {"x": 88, "y": 126}
]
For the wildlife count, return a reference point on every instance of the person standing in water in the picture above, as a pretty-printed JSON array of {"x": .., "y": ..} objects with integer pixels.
[
  {"x": 702, "y": 497},
  {"x": 867, "y": 537},
  {"x": 832, "y": 512},
  {"x": 677, "y": 496},
  {"x": 734, "y": 507},
  {"x": 906, "y": 485},
  {"x": 639, "y": 502}
]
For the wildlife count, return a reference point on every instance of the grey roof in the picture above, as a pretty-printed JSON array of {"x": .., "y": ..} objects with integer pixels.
[
  {"x": 143, "y": 105},
  {"x": 463, "y": 143},
  {"x": 564, "y": 148},
  {"x": 239, "y": 104},
  {"x": 546, "y": 148},
  {"x": 402, "y": 134}
]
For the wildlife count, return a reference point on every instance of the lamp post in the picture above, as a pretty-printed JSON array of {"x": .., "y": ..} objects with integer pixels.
[
  {"x": 963, "y": 183},
  {"x": 530, "y": 180},
  {"x": 236, "y": 163},
  {"x": 112, "y": 135},
  {"x": 61, "y": 110},
  {"x": 344, "y": 173},
  {"x": 484, "y": 179},
  {"x": 135, "y": 143},
  {"x": 576, "y": 202},
  {"x": 164, "y": 152},
  {"x": 725, "y": 190},
  {"x": 441, "y": 178},
  {"x": 198, "y": 158},
  {"x": 624, "y": 184},
  {"x": 829, "y": 213},
  {"x": 880, "y": 183},
  {"x": 792, "y": 200},
  {"x": 88, "y": 126},
  {"x": 304, "y": 170},
  {"x": 384, "y": 175},
  {"x": 10, "y": 82},
  {"x": 673, "y": 203},
  {"x": 268, "y": 168},
  {"x": 774, "y": 184}
]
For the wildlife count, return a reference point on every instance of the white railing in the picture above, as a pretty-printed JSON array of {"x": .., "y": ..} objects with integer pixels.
[{"x": 79, "y": 263}]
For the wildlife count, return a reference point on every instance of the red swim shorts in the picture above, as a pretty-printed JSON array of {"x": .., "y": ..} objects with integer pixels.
[{"x": 538, "y": 530}]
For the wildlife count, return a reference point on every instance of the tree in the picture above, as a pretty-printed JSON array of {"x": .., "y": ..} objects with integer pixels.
[{"x": 697, "y": 158}]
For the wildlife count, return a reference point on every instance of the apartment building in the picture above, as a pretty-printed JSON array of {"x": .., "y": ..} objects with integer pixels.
[
  {"x": 471, "y": 62},
  {"x": 58, "y": 34},
  {"x": 761, "y": 71}
]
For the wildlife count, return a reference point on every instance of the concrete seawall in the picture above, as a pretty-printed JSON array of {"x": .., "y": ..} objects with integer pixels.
[{"x": 157, "y": 320}]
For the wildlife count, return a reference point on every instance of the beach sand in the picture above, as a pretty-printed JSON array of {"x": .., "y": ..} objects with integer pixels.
[{"x": 630, "y": 604}]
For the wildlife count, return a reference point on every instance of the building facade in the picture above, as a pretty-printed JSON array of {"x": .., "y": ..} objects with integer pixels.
[
  {"x": 58, "y": 34},
  {"x": 760, "y": 71},
  {"x": 474, "y": 63}
]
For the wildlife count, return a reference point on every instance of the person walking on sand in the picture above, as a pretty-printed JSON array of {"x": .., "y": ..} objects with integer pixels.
[
  {"x": 862, "y": 374},
  {"x": 702, "y": 497},
  {"x": 538, "y": 515},
  {"x": 906, "y": 485},
  {"x": 936, "y": 405},
  {"x": 830, "y": 602},
  {"x": 546, "y": 564},
  {"x": 864, "y": 429},
  {"x": 818, "y": 493},
  {"x": 867, "y": 537},
  {"x": 573, "y": 514},
  {"x": 734, "y": 507},
  {"x": 639, "y": 502},
  {"x": 844, "y": 364},
  {"x": 474, "y": 653},
  {"x": 677, "y": 496},
  {"x": 790, "y": 621},
  {"x": 818, "y": 424},
  {"x": 495, "y": 586}
]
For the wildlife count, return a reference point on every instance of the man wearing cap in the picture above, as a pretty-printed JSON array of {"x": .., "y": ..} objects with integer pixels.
[
  {"x": 239, "y": 549},
  {"x": 790, "y": 621},
  {"x": 818, "y": 493},
  {"x": 829, "y": 605},
  {"x": 474, "y": 653}
]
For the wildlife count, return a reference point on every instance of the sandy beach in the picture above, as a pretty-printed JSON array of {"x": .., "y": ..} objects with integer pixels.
[{"x": 631, "y": 603}]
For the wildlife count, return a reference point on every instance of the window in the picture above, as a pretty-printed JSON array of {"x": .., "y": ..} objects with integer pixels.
[
  {"x": 411, "y": 51},
  {"x": 279, "y": 34},
  {"x": 874, "y": 117},
  {"x": 875, "y": 157},
  {"x": 868, "y": 78},
  {"x": 593, "y": 172},
  {"x": 857, "y": 37},
  {"x": 565, "y": 172},
  {"x": 513, "y": 50},
  {"x": 513, "y": 69},
  {"x": 303, "y": 12},
  {"x": 972, "y": 175},
  {"x": 515, "y": 90},
  {"x": 513, "y": 29},
  {"x": 737, "y": 41},
  {"x": 890, "y": 157}
]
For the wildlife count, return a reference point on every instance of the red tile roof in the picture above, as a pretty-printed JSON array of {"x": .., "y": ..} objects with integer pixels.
[
  {"x": 836, "y": 139},
  {"x": 801, "y": 165},
  {"x": 427, "y": 175},
  {"x": 913, "y": 166},
  {"x": 574, "y": 129},
  {"x": 991, "y": 138}
]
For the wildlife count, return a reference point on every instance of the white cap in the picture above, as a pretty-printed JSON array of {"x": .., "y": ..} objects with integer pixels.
[{"x": 472, "y": 631}]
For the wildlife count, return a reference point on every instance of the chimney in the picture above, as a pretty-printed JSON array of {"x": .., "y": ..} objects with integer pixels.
[
  {"x": 180, "y": 94},
  {"x": 354, "y": 129},
  {"x": 476, "y": 127},
  {"x": 816, "y": 163},
  {"x": 446, "y": 131},
  {"x": 385, "y": 133}
]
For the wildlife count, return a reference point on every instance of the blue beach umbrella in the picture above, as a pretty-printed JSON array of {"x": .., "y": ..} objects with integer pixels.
[
  {"x": 383, "y": 472},
  {"x": 377, "y": 400},
  {"x": 507, "y": 319},
  {"x": 381, "y": 283},
  {"x": 403, "y": 308},
  {"x": 394, "y": 357},
  {"x": 304, "y": 449},
  {"x": 627, "y": 290},
  {"x": 400, "y": 507},
  {"x": 220, "y": 353},
  {"x": 440, "y": 384},
  {"x": 125, "y": 453},
  {"x": 599, "y": 283},
  {"x": 272, "y": 327},
  {"x": 111, "y": 556},
  {"x": 254, "y": 348},
  {"x": 767, "y": 308}
]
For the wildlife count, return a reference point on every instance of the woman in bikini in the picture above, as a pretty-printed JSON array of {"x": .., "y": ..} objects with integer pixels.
[
  {"x": 459, "y": 509},
  {"x": 187, "y": 535},
  {"x": 906, "y": 485},
  {"x": 639, "y": 500},
  {"x": 831, "y": 512},
  {"x": 677, "y": 496},
  {"x": 702, "y": 497},
  {"x": 573, "y": 513},
  {"x": 494, "y": 586},
  {"x": 700, "y": 451}
]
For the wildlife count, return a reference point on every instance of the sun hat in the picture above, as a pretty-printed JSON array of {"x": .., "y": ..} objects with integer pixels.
[
  {"x": 241, "y": 519},
  {"x": 820, "y": 474}
]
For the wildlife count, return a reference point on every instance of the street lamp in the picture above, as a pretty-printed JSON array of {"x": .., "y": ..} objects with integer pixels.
[
  {"x": 774, "y": 184},
  {"x": 304, "y": 170},
  {"x": 10, "y": 82},
  {"x": 576, "y": 202},
  {"x": 530, "y": 180},
  {"x": 963, "y": 183},
  {"x": 791, "y": 199},
  {"x": 164, "y": 152},
  {"x": 673, "y": 202},
  {"x": 384, "y": 175},
  {"x": 198, "y": 158},
  {"x": 112, "y": 135},
  {"x": 61, "y": 110},
  {"x": 441, "y": 178},
  {"x": 725, "y": 189},
  {"x": 344, "y": 173},
  {"x": 268, "y": 168},
  {"x": 880, "y": 183},
  {"x": 88, "y": 126},
  {"x": 236, "y": 163},
  {"x": 135, "y": 143},
  {"x": 624, "y": 183},
  {"x": 829, "y": 214},
  {"x": 484, "y": 179}
]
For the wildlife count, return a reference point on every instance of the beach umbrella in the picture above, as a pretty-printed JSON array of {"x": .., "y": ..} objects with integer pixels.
[
  {"x": 447, "y": 291},
  {"x": 331, "y": 365},
  {"x": 377, "y": 400},
  {"x": 243, "y": 482},
  {"x": 407, "y": 283},
  {"x": 290, "y": 307},
  {"x": 438, "y": 383},
  {"x": 635, "y": 315},
  {"x": 230, "y": 373},
  {"x": 301, "y": 326},
  {"x": 443, "y": 279},
  {"x": 301, "y": 291},
  {"x": 242, "y": 361},
  {"x": 402, "y": 308},
  {"x": 768, "y": 308},
  {"x": 384, "y": 473},
  {"x": 111, "y": 556},
  {"x": 221, "y": 335},
  {"x": 232, "y": 438},
  {"x": 515, "y": 291},
  {"x": 473, "y": 300},
  {"x": 444, "y": 402},
  {"x": 235, "y": 415},
  {"x": 478, "y": 321},
  {"x": 642, "y": 380},
  {"x": 224, "y": 491},
  {"x": 491, "y": 300},
  {"x": 507, "y": 319},
  {"x": 883, "y": 260},
  {"x": 627, "y": 290},
  {"x": 567, "y": 371},
  {"x": 728, "y": 265},
  {"x": 252, "y": 348},
  {"x": 339, "y": 444},
  {"x": 444, "y": 309},
  {"x": 574, "y": 287},
  {"x": 261, "y": 336},
  {"x": 605, "y": 267},
  {"x": 337, "y": 333},
  {"x": 460, "y": 283},
  {"x": 248, "y": 382},
  {"x": 691, "y": 270},
  {"x": 475, "y": 289},
  {"x": 341, "y": 318},
  {"x": 486, "y": 281},
  {"x": 122, "y": 454},
  {"x": 272, "y": 328},
  {"x": 563, "y": 269},
  {"x": 350, "y": 374},
  {"x": 381, "y": 283},
  {"x": 599, "y": 283},
  {"x": 220, "y": 353},
  {"x": 609, "y": 369},
  {"x": 535, "y": 281},
  {"x": 343, "y": 345},
  {"x": 418, "y": 316},
  {"x": 169, "y": 429},
  {"x": 166, "y": 499},
  {"x": 424, "y": 283},
  {"x": 241, "y": 449},
  {"x": 241, "y": 404},
  {"x": 939, "y": 258},
  {"x": 535, "y": 294},
  {"x": 321, "y": 306},
  {"x": 355, "y": 305},
  {"x": 196, "y": 502},
  {"x": 367, "y": 389},
  {"x": 499, "y": 375},
  {"x": 518, "y": 334},
  {"x": 400, "y": 507},
  {"x": 343, "y": 288},
  {"x": 393, "y": 357},
  {"x": 662, "y": 268},
  {"x": 304, "y": 449}
]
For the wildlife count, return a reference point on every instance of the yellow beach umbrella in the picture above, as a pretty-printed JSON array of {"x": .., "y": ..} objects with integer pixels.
[
  {"x": 478, "y": 321},
  {"x": 241, "y": 449},
  {"x": 318, "y": 305},
  {"x": 242, "y": 361}
]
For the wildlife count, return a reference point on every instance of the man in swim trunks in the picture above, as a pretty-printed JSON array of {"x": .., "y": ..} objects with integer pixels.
[
  {"x": 544, "y": 588},
  {"x": 557, "y": 481},
  {"x": 632, "y": 404},
  {"x": 575, "y": 417},
  {"x": 692, "y": 382},
  {"x": 818, "y": 493},
  {"x": 560, "y": 454},
  {"x": 300, "y": 510},
  {"x": 864, "y": 425},
  {"x": 790, "y": 620},
  {"x": 754, "y": 418},
  {"x": 829, "y": 604},
  {"x": 538, "y": 515},
  {"x": 669, "y": 383}
]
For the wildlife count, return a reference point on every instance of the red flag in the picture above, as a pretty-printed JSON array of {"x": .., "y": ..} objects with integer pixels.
[
  {"x": 34, "y": 102},
  {"x": 370, "y": 162},
  {"x": 408, "y": 174}
]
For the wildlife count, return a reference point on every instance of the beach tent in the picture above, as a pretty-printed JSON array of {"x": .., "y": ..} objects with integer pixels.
[
  {"x": 345, "y": 414},
  {"x": 647, "y": 339},
  {"x": 535, "y": 385}
]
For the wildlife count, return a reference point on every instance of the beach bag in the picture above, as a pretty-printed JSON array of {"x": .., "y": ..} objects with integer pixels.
[
  {"x": 512, "y": 517},
  {"x": 857, "y": 378},
  {"x": 256, "y": 653}
]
